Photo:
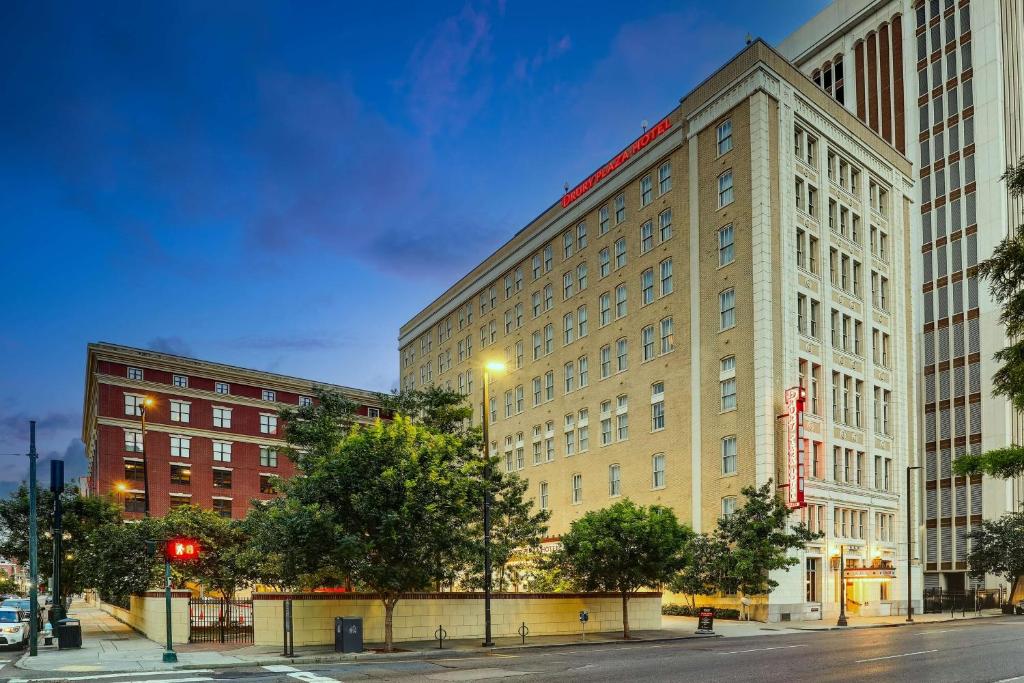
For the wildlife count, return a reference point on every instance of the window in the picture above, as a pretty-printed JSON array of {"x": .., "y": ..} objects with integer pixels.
[
  {"x": 222, "y": 417},
  {"x": 727, "y": 308},
  {"x": 568, "y": 282},
  {"x": 178, "y": 501},
  {"x": 620, "y": 252},
  {"x": 647, "y": 287},
  {"x": 657, "y": 406},
  {"x": 568, "y": 328},
  {"x": 666, "y": 277},
  {"x": 724, "y": 137},
  {"x": 135, "y": 373},
  {"x": 268, "y": 424},
  {"x": 621, "y": 308},
  {"x": 726, "y": 254},
  {"x": 658, "y": 470},
  {"x": 570, "y": 434},
  {"x": 549, "y": 385},
  {"x": 549, "y": 298},
  {"x": 620, "y": 208},
  {"x": 508, "y": 403},
  {"x": 622, "y": 418},
  {"x": 581, "y": 322},
  {"x": 181, "y": 475},
  {"x": 543, "y": 495},
  {"x": 222, "y": 451},
  {"x": 180, "y": 411},
  {"x": 647, "y": 342},
  {"x": 222, "y": 506},
  {"x": 621, "y": 354},
  {"x": 603, "y": 221},
  {"x": 133, "y": 441},
  {"x": 134, "y": 470},
  {"x": 536, "y": 391},
  {"x": 268, "y": 456},
  {"x": 549, "y": 338},
  {"x": 568, "y": 244},
  {"x": 221, "y": 478},
  {"x": 614, "y": 480},
  {"x": 569, "y": 372},
  {"x": 581, "y": 276},
  {"x": 728, "y": 387},
  {"x": 519, "y": 399},
  {"x": 665, "y": 224},
  {"x": 581, "y": 236},
  {"x": 646, "y": 237},
  {"x": 606, "y": 423},
  {"x": 180, "y": 381},
  {"x": 266, "y": 484},
  {"x": 269, "y": 395},
  {"x": 577, "y": 488},
  {"x": 646, "y": 190},
  {"x": 604, "y": 262},
  {"x": 584, "y": 370},
  {"x": 665, "y": 177},
  {"x": 725, "y": 196},
  {"x": 604, "y": 309},
  {"x": 549, "y": 259},
  {"x": 728, "y": 506},
  {"x": 729, "y": 455},
  {"x": 667, "y": 336},
  {"x": 536, "y": 267},
  {"x": 132, "y": 405},
  {"x": 180, "y": 446}
]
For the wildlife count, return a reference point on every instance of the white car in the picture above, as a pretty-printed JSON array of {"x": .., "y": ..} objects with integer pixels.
[{"x": 13, "y": 631}]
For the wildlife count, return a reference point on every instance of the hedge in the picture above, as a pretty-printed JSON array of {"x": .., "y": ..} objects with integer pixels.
[{"x": 687, "y": 611}]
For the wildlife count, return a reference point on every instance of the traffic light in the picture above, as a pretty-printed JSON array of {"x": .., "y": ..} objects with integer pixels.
[{"x": 182, "y": 549}]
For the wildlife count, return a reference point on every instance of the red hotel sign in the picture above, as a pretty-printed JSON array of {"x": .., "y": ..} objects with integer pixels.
[
  {"x": 617, "y": 161},
  {"x": 795, "y": 447}
]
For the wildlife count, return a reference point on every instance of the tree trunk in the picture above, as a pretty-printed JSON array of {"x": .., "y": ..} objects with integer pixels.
[
  {"x": 625, "y": 615},
  {"x": 389, "y": 613}
]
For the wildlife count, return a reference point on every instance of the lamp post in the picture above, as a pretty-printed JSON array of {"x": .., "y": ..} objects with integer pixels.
[
  {"x": 33, "y": 546},
  {"x": 121, "y": 488},
  {"x": 493, "y": 366},
  {"x": 842, "y": 586},
  {"x": 910, "y": 549},
  {"x": 146, "y": 404}
]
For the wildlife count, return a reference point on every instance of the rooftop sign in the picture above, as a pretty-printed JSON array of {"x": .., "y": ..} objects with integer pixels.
[{"x": 617, "y": 161}]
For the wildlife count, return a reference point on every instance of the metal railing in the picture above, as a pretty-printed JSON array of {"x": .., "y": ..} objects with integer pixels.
[
  {"x": 960, "y": 602},
  {"x": 214, "y": 620}
]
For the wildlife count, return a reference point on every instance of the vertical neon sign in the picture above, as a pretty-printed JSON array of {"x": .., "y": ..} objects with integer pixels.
[{"x": 795, "y": 447}]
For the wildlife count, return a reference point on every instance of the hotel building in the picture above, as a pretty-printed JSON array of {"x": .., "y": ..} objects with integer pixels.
[
  {"x": 213, "y": 434},
  {"x": 652, "y": 320},
  {"x": 941, "y": 80}
]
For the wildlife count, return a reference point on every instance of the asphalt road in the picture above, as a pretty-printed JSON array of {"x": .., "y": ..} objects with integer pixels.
[{"x": 981, "y": 650}]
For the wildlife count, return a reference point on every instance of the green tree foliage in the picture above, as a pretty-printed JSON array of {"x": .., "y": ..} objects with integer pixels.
[
  {"x": 118, "y": 564},
  {"x": 622, "y": 548},
  {"x": 704, "y": 573},
  {"x": 392, "y": 501},
  {"x": 223, "y": 564},
  {"x": 82, "y": 515},
  {"x": 440, "y": 410},
  {"x": 1004, "y": 272},
  {"x": 759, "y": 539},
  {"x": 319, "y": 427},
  {"x": 8, "y": 587},
  {"x": 997, "y": 547}
]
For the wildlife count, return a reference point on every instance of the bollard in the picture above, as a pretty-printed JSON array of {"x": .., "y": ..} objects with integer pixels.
[
  {"x": 523, "y": 631},
  {"x": 440, "y": 634}
]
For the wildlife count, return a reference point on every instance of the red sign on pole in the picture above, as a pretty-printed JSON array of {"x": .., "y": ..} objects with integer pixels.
[
  {"x": 182, "y": 549},
  {"x": 795, "y": 447}
]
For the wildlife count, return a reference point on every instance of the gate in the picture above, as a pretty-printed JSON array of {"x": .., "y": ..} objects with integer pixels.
[
  {"x": 214, "y": 620},
  {"x": 937, "y": 600}
]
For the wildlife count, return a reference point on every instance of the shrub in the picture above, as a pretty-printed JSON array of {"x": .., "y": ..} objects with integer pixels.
[{"x": 687, "y": 611}]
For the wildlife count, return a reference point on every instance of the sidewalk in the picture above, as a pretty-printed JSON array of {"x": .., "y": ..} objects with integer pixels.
[{"x": 109, "y": 646}]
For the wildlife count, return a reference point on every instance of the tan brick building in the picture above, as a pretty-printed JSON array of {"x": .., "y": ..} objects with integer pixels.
[{"x": 651, "y": 321}]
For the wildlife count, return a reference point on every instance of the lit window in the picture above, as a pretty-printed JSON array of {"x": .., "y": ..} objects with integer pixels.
[
  {"x": 181, "y": 475},
  {"x": 221, "y": 478},
  {"x": 266, "y": 484},
  {"x": 222, "y": 506}
]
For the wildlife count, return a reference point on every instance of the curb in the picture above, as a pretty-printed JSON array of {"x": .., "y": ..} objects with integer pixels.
[{"x": 898, "y": 624}]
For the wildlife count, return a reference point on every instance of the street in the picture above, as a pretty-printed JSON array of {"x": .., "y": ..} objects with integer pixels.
[{"x": 985, "y": 650}]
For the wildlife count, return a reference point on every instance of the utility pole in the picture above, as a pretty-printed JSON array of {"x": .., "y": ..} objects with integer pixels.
[
  {"x": 33, "y": 546},
  {"x": 57, "y": 488},
  {"x": 910, "y": 549}
]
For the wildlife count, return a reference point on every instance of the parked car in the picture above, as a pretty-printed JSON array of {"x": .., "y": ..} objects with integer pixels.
[
  {"x": 25, "y": 605},
  {"x": 13, "y": 627},
  {"x": 1018, "y": 608}
]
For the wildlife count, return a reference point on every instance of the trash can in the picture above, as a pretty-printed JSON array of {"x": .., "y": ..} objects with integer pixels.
[
  {"x": 348, "y": 634},
  {"x": 69, "y": 634}
]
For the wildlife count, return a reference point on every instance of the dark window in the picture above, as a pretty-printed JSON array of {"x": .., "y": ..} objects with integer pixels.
[
  {"x": 222, "y": 507},
  {"x": 266, "y": 485},
  {"x": 181, "y": 474},
  {"x": 222, "y": 479},
  {"x": 134, "y": 502},
  {"x": 178, "y": 501},
  {"x": 133, "y": 471}
]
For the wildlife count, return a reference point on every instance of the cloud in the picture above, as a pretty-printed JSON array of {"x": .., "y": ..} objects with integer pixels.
[
  {"x": 524, "y": 68},
  {"x": 75, "y": 463},
  {"x": 444, "y": 83},
  {"x": 14, "y": 428},
  {"x": 173, "y": 345},
  {"x": 289, "y": 343}
]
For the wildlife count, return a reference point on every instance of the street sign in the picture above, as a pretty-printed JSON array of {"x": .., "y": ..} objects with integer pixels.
[
  {"x": 182, "y": 549},
  {"x": 706, "y": 620}
]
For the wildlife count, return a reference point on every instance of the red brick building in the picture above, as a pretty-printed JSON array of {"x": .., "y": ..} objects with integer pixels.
[{"x": 213, "y": 437}]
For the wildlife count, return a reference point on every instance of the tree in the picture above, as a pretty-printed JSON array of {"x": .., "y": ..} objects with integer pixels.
[
  {"x": 704, "y": 572},
  {"x": 997, "y": 547},
  {"x": 441, "y": 410},
  {"x": 759, "y": 537},
  {"x": 391, "y": 502},
  {"x": 1004, "y": 272},
  {"x": 8, "y": 586},
  {"x": 116, "y": 561},
  {"x": 622, "y": 548},
  {"x": 319, "y": 427},
  {"x": 223, "y": 562}
]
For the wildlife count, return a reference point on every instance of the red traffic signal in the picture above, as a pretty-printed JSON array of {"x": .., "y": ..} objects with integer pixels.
[{"x": 182, "y": 549}]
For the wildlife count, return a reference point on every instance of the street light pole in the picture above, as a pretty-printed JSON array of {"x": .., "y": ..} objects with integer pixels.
[
  {"x": 146, "y": 403},
  {"x": 842, "y": 586},
  {"x": 487, "y": 515},
  {"x": 910, "y": 549},
  {"x": 33, "y": 546}
]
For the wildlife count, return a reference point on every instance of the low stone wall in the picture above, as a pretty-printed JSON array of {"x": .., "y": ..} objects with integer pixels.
[
  {"x": 148, "y": 615},
  {"x": 418, "y": 615}
]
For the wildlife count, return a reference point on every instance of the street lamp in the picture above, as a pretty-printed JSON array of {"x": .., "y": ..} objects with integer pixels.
[
  {"x": 121, "y": 489},
  {"x": 842, "y": 585},
  {"x": 492, "y": 366},
  {"x": 910, "y": 550},
  {"x": 146, "y": 404}
]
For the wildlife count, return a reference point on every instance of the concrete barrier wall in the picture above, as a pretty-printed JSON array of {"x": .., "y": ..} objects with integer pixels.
[
  {"x": 148, "y": 615},
  {"x": 417, "y": 616}
]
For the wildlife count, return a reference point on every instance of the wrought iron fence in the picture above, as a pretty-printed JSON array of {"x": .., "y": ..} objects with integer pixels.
[
  {"x": 214, "y": 620},
  {"x": 939, "y": 600}
]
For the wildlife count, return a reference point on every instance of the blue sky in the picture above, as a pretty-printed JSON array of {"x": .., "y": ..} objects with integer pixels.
[{"x": 282, "y": 185}]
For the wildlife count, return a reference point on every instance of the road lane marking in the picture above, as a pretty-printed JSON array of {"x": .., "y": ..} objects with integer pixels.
[
  {"x": 1010, "y": 680},
  {"x": 292, "y": 672},
  {"x": 906, "y": 654},
  {"x": 762, "y": 649},
  {"x": 945, "y": 630},
  {"x": 126, "y": 674},
  {"x": 195, "y": 679}
]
